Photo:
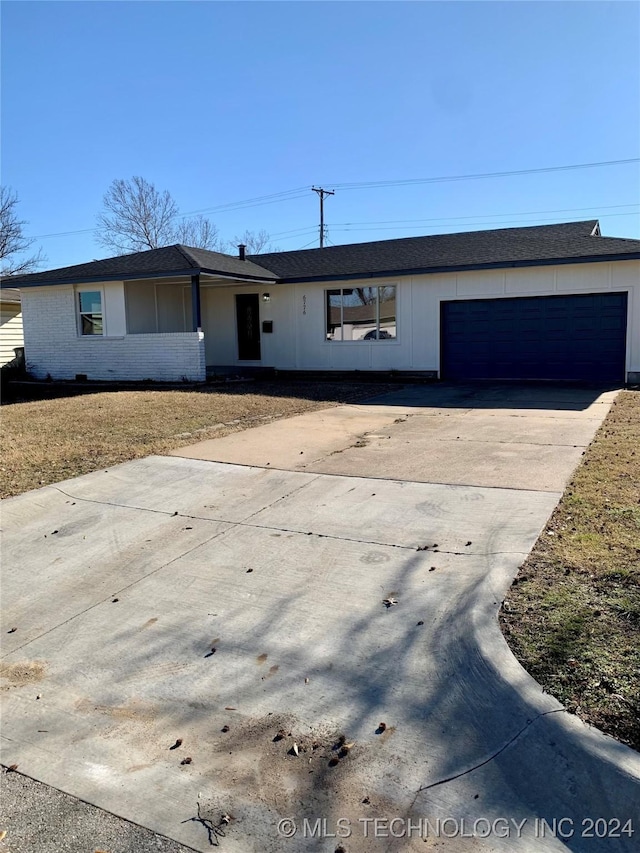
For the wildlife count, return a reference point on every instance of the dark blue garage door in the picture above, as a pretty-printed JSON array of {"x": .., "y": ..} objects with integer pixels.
[{"x": 543, "y": 337}]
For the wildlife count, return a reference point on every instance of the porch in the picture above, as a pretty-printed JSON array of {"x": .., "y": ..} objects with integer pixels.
[{"x": 233, "y": 319}]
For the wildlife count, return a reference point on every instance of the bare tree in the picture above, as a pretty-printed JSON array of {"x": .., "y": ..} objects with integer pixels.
[
  {"x": 257, "y": 242},
  {"x": 13, "y": 243},
  {"x": 200, "y": 233},
  {"x": 136, "y": 217}
]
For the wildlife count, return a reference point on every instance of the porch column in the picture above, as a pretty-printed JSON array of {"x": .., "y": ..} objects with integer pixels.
[{"x": 195, "y": 303}]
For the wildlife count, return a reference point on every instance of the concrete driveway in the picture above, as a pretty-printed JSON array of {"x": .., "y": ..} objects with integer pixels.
[{"x": 271, "y": 609}]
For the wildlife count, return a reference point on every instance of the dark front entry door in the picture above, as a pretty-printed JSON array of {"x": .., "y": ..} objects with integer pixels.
[{"x": 248, "y": 320}]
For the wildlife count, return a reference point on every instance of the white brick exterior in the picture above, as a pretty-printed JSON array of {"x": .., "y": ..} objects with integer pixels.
[{"x": 54, "y": 347}]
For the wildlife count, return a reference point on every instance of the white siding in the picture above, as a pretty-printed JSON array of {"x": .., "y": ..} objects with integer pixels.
[
  {"x": 54, "y": 347},
  {"x": 419, "y": 299},
  {"x": 10, "y": 330},
  {"x": 218, "y": 308},
  {"x": 298, "y": 311}
]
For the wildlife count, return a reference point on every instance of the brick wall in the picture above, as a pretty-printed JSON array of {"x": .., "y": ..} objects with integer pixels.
[{"x": 53, "y": 346}]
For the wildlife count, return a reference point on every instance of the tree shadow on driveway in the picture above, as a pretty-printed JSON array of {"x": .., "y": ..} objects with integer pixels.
[{"x": 284, "y": 718}]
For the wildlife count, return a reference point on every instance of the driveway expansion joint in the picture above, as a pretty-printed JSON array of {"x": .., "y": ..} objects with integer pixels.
[
  {"x": 276, "y": 501},
  {"x": 246, "y": 523},
  {"x": 512, "y": 443}
]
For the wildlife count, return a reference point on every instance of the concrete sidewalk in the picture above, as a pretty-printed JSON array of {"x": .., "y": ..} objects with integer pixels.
[{"x": 334, "y": 603}]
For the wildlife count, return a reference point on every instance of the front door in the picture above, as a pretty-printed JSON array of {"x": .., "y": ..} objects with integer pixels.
[{"x": 248, "y": 320}]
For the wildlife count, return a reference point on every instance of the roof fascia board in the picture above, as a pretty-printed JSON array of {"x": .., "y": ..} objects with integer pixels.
[
  {"x": 87, "y": 279},
  {"x": 630, "y": 256}
]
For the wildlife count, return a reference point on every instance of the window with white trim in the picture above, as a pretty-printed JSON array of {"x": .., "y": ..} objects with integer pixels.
[
  {"x": 361, "y": 313},
  {"x": 90, "y": 316}
]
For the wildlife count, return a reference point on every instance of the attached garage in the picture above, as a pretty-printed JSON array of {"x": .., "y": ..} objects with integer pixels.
[{"x": 577, "y": 338}]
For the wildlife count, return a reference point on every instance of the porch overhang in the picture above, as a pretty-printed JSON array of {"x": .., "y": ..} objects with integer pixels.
[
  {"x": 224, "y": 280},
  {"x": 206, "y": 277}
]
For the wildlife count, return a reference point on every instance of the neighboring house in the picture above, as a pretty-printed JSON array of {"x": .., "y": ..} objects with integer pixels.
[
  {"x": 10, "y": 323},
  {"x": 542, "y": 302}
]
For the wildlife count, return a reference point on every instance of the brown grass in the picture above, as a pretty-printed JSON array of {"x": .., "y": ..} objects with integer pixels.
[
  {"x": 50, "y": 440},
  {"x": 572, "y": 617}
]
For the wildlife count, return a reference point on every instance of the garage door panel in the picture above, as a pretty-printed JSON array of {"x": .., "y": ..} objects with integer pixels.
[{"x": 577, "y": 337}]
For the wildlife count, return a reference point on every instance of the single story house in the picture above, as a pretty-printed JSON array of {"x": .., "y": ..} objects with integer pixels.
[
  {"x": 10, "y": 324},
  {"x": 555, "y": 302}
]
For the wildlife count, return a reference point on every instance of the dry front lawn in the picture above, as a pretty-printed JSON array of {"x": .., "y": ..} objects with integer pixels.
[
  {"x": 572, "y": 617},
  {"x": 46, "y": 441}
]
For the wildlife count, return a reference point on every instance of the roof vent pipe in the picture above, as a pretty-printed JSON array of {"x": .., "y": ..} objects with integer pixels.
[{"x": 241, "y": 248}]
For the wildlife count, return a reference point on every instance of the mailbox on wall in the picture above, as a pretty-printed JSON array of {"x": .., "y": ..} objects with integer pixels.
[{"x": 267, "y": 326}]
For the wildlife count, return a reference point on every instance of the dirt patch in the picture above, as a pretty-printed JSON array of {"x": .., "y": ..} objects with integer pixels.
[
  {"x": 279, "y": 766},
  {"x": 133, "y": 711},
  {"x": 21, "y": 673},
  {"x": 572, "y": 617}
]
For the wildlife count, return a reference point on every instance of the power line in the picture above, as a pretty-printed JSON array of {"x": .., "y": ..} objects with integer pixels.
[
  {"x": 439, "y": 221},
  {"x": 336, "y": 227},
  {"x": 257, "y": 202},
  {"x": 491, "y": 215},
  {"x": 413, "y": 181},
  {"x": 296, "y": 231},
  {"x": 65, "y": 233},
  {"x": 505, "y": 224},
  {"x": 300, "y": 192}
]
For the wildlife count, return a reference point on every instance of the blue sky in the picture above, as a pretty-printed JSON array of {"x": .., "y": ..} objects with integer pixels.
[{"x": 222, "y": 102}]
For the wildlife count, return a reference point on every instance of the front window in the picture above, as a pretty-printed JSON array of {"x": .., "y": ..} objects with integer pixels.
[
  {"x": 90, "y": 312},
  {"x": 361, "y": 314}
]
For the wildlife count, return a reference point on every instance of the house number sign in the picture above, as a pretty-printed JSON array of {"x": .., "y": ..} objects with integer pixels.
[{"x": 304, "y": 304}]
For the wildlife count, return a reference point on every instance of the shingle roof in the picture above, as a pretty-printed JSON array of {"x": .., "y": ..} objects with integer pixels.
[
  {"x": 228, "y": 264},
  {"x": 176, "y": 260},
  {"x": 471, "y": 249},
  {"x": 503, "y": 247}
]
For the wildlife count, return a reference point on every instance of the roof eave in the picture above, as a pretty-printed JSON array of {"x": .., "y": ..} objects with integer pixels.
[
  {"x": 89, "y": 279},
  {"x": 626, "y": 256}
]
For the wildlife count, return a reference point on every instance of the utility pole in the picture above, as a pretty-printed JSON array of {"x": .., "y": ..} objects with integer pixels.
[{"x": 321, "y": 194}]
